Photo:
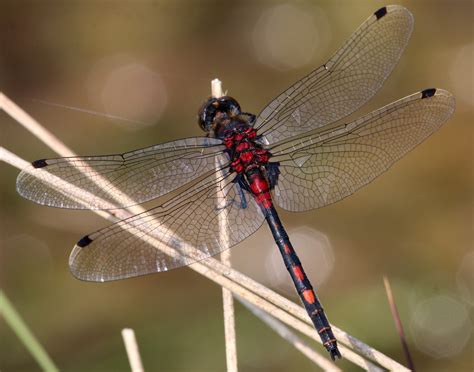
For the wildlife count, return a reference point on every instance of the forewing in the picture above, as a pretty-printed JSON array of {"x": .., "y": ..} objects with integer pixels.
[
  {"x": 327, "y": 166},
  {"x": 344, "y": 83},
  {"x": 117, "y": 181},
  {"x": 209, "y": 217}
]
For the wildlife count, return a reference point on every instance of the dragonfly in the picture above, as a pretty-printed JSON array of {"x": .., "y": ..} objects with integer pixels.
[{"x": 299, "y": 153}]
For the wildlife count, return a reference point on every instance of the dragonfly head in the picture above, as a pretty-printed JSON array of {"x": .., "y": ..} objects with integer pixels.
[{"x": 215, "y": 113}]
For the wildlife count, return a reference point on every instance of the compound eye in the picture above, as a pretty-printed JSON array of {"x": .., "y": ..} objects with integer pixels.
[
  {"x": 202, "y": 123},
  {"x": 230, "y": 105},
  {"x": 225, "y": 105},
  {"x": 206, "y": 114}
]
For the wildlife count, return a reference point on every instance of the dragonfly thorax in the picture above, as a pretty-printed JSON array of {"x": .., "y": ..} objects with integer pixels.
[{"x": 244, "y": 151}]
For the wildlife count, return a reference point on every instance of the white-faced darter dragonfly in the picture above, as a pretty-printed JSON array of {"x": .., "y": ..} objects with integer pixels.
[{"x": 293, "y": 154}]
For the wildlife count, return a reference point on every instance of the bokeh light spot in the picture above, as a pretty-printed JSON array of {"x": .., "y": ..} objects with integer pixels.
[
  {"x": 461, "y": 74},
  {"x": 127, "y": 88},
  {"x": 287, "y": 36},
  {"x": 440, "y": 326}
]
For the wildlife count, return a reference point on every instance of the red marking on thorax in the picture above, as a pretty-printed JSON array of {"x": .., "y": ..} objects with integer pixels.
[
  {"x": 242, "y": 146},
  {"x": 246, "y": 153},
  {"x": 287, "y": 249},
  {"x": 308, "y": 295},
  {"x": 246, "y": 156}
]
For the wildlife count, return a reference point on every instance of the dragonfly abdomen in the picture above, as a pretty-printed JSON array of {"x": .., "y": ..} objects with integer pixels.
[{"x": 301, "y": 281}]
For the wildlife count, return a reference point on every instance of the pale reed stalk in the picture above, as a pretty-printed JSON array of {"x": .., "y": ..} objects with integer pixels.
[
  {"x": 131, "y": 346},
  {"x": 227, "y": 300}
]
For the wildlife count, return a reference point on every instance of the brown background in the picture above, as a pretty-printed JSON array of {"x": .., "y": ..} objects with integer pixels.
[{"x": 413, "y": 224}]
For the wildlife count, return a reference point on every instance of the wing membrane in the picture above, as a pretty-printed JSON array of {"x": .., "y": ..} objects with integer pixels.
[
  {"x": 343, "y": 84},
  {"x": 325, "y": 167},
  {"x": 140, "y": 175},
  {"x": 211, "y": 216}
]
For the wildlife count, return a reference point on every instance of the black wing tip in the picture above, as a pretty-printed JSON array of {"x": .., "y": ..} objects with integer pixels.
[
  {"x": 41, "y": 163},
  {"x": 430, "y": 92},
  {"x": 381, "y": 12},
  {"x": 84, "y": 242}
]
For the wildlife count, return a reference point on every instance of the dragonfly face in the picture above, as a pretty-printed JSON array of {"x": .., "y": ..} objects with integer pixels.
[{"x": 217, "y": 113}]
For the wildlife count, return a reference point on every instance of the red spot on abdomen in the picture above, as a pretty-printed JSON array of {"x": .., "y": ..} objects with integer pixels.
[
  {"x": 267, "y": 203},
  {"x": 260, "y": 190},
  {"x": 287, "y": 249},
  {"x": 264, "y": 199},
  {"x": 298, "y": 271},
  {"x": 258, "y": 185},
  {"x": 308, "y": 296}
]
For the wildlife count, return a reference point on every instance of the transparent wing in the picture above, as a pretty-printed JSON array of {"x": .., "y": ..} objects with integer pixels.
[
  {"x": 329, "y": 165},
  {"x": 139, "y": 175},
  {"x": 209, "y": 217},
  {"x": 343, "y": 84}
]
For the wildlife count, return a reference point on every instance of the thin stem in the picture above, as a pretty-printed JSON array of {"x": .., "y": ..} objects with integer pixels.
[
  {"x": 229, "y": 321},
  {"x": 33, "y": 126},
  {"x": 90, "y": 112},
  {"x": 216, "y": 88},
  {"x": 19, "y": 327},
  {"x": 131, "y": 346},
  {"x": 398, "y": 323},
  {"x": 227, "y": 300}
]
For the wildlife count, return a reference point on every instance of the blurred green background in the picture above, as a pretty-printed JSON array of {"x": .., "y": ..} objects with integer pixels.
[{"x": 152, "y": 62}]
